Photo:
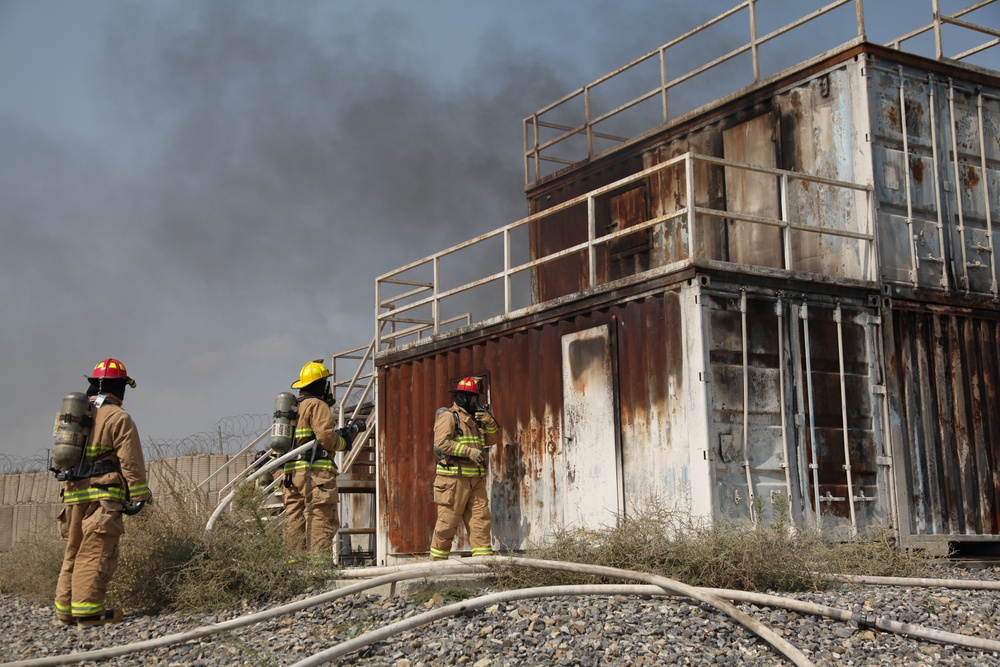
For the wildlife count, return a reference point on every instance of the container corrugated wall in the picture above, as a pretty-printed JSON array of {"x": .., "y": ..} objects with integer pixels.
[
  {"x": 948, "y": 412},
  {"x": 677, "y": 412}
]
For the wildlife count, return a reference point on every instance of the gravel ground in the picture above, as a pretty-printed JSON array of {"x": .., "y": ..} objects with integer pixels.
[{"x": 578, "y": 631}]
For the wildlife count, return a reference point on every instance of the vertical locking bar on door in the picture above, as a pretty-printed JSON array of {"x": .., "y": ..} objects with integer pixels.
[
  {"x": 878, "y": 342},
  {"x": 780, "y": 312},
  {"x": 986, "y": 194},
  {"x": 938, "y": 203},
  {"x": 911, "y": 237},
  {"x": 746, "y": 407},
  {"x": 838, "y": 318},
  {"x": 814, "y": 464},
  {"x": 958, "y": 190}
]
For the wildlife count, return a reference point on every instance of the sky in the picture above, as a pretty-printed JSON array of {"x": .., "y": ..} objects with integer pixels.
[{"x": 207, "y": 191}]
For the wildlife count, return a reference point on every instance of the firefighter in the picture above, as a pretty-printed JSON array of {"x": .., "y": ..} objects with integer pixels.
[
  {"x": 108, "y": 481},
  {"x": 463, "y": 435},
  {"x": 310, "y": 486}
]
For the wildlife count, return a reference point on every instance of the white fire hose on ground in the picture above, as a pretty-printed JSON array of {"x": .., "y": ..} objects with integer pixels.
[{"x": 391, "y": 575}]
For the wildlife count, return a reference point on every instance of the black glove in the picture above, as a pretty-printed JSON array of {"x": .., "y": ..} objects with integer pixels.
[
  {"x": 348, "y": 432},
  {"x": 133, "y": 507},
  {"x": 347, "y": 435},
  {"x": 484, "y": 418}
]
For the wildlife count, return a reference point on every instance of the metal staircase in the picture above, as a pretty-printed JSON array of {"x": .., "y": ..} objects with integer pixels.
[
  {"x": 353, "y": 384},
  {"x": 355, "y": 541}
]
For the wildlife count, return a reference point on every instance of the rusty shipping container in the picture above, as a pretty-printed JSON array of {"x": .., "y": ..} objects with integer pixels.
[{"x": 783, "y": 302}]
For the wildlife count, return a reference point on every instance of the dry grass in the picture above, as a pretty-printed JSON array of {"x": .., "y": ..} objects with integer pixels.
[
  {"x": 31, "y": 569},
  {"x": 168, "y": 562},
  {"x": 737, "y": 555}
]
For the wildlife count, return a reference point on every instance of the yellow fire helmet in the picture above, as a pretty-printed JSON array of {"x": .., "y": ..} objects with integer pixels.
[{"x": 314, "y": 370}]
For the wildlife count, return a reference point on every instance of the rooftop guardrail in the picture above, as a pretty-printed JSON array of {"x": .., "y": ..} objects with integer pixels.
[
  {"x": 824, "y": 229},
  {"x": 573, "y": 129}
]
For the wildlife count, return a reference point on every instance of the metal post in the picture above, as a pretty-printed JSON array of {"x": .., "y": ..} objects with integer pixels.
[
  {"x": 786, "y": 231},
  {"x": 871, "y": 203},
  {"x": 911, "y": 240},
  {"x": 435, "y": 305},
  {"x": 986, "y": 194},
  {"x": 527, "y": 153},
  {"x": 689, "y": 195},
  {"x": 859, "y": 11},
  {"x": 780, "y": 312},
  {"x": 506, "y": 271},
  {"x": 746, "y": 407},
  {"x": 590, "y": 130},
  {"x": 591, "y": 235},
  {"x": 663, "y": 85},
  {"x": 814, "y": 464},
  {"x": 964, "y": 280},
  {"x": 936, "y": 8},
  {"x": 534, "y": 149},
  {"x": 378, "y": 314},
  {"x": 839, "y": 319},
  {"x": 753, "y": 41}
]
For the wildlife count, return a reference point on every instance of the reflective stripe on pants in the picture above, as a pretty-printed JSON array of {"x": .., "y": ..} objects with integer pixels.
[
  {"x": 461, "y": 500},
  {"x": 311, "y": 510},
  {"x": 92, "y": 531}
]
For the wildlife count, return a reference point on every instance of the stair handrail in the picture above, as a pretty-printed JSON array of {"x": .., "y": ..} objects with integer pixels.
[
  {"x": 350, "y": 457},
  {"x": 266, "y": 468}
]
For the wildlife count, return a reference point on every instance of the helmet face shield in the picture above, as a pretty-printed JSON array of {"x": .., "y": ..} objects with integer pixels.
[{"x": 466, "y": 400}]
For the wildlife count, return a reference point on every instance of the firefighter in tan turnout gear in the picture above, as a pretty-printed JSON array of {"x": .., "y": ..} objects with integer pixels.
[
  {"x": 310, "y": 486},
  {"x": 463, "y": 435},
  {"x": 107, "y": 480}
]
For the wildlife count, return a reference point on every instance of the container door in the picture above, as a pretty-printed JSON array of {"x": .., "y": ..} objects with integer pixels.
[
  {"x": 753, "y": 193},
  {"x": 590, "y": 467}
]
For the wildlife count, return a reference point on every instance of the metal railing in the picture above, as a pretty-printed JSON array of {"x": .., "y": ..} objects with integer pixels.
[
  {"x": 955, "y": 19},
  {"x": 569, "y": 143},
  {"x": 355, "y": 391},
  {"x": 354, "y": 395},
  {"x": 801, "y": 211}
]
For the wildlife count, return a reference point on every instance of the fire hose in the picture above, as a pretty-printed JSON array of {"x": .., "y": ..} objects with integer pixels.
[{"x": 391, "y": 575}]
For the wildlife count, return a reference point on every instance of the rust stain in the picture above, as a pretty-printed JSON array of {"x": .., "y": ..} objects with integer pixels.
[
  {"x": 525, "y": 385},
  {"x": 917, "y": 169},
  {"x": 949, "y": 381},
  {"x": 914, "y": 117},
  {"x": 970, "y": 177}
]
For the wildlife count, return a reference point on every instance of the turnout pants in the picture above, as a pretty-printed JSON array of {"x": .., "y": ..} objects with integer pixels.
[
  {"x": 92, "y": 531},
  {"x": 461, "y": 500},
  {"x": 311, "y": 511}
]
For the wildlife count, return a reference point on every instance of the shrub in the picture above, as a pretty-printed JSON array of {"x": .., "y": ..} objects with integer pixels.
[
  {"x": 31, "y": 568},
  {"x": 761, "y": 556},
  {"x": 168, "y": 562}
]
